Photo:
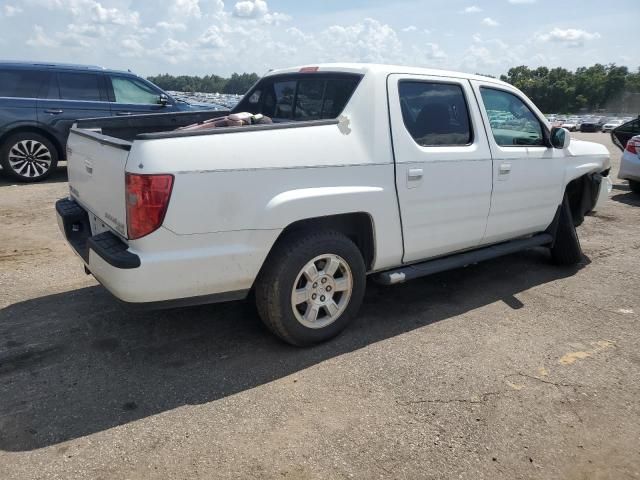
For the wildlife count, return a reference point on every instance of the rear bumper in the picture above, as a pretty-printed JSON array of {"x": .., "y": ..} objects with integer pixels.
[
  {"x": 629, "y": 167},
  {"x": 165, "y": 270},
  {"x": 74, "y": 223}
]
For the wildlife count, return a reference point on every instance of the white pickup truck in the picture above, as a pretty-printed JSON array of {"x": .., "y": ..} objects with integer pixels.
[{"x": 388, "y": 171}]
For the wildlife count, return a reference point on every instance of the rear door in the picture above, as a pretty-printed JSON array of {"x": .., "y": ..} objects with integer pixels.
[
  {"x": 132, "y": 96},
  {"x": 622, "y": 134},
  {"x": 72, "y": 95},
  {"x": 443, "y": 164},
  {"x": 19, "y": 88},
  {"x": 528, "y": 176}
]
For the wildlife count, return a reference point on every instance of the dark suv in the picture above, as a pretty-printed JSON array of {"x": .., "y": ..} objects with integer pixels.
[{"x": 40, "y": 102}]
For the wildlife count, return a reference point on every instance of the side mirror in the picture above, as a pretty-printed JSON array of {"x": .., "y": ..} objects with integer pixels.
[
  {"x": 560, "y": 138},
  {"x": 163, "y": 99}
]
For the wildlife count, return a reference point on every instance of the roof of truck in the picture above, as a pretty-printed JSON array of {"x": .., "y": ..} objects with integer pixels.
[{"x": 383, "y": 69}]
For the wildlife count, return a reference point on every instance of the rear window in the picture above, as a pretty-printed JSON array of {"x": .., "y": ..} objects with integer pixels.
[
  {"x": 79, "y": 86},
  {"x": 21, "y": 83},
  {"x": 300, "y": 97}
]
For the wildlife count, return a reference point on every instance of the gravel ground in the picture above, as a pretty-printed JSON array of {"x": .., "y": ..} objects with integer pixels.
[{"x": 508, "y": 369}]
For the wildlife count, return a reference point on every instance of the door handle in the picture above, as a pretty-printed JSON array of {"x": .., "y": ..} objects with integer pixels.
[
  {"x": 124, "y": 114},
  {"x": 505, "y": 169},
  {"x": 54, "y": 111},
  {"x": 415, "y": 173}
]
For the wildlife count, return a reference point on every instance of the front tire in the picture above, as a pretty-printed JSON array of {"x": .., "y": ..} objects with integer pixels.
[
  {"x": 28, "y": 157},
  {"x": 634, "y": 186},
  {"x": 311, "y": 287},
  {"x": 566, "y": 249}
]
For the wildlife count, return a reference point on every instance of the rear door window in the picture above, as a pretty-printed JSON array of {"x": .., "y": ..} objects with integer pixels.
[
  {"x": 80, "y": 86},
  {"x": 435, "y": 114},
  {"x": 19, "y": 83}
]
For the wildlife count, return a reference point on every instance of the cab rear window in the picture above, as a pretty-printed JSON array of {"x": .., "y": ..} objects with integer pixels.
[{"x": 300, "y": 97}]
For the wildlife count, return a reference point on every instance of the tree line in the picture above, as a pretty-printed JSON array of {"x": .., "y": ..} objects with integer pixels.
[
  {"x": 238, "y": 83},
  {"x": 609, "y": 88}
]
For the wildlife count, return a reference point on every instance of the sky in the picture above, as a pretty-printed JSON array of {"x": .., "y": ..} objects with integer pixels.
[{"x": 198, "y": 37}]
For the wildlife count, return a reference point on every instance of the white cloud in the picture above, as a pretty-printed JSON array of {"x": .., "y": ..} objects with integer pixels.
[
  {"x": 410, "y": 28},
  {"x": 366, "y": 41},
  {"x": 100, "y": 14},
  {"x": 251, "y": 9},
  {"x": 132, "y": 47},
  {"x": 571, "y": 37},
  {"x": 171, "y": 26},
  {"x": 490, "y": 22},
  {"x": 276, "y": 18},
  {"x": 186, "y": 8},
  {"x": 212, "y": 38},
  {"x": 11, "y": 10},
  {"x": 472, "y": 9},
  {"x": 40, "y": 38}
]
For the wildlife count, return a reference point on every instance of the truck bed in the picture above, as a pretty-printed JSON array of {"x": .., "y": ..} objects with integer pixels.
[{"x": 129, "y": 127}]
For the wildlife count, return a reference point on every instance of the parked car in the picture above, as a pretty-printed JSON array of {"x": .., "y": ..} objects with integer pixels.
[
  {"x": 591, "y": 125},
  {"x": 353, "y": 178},
  {"x": 40, "y": 102},
  {"x": 622, "y": 134},
  {"x": 630, "y": 164},
  {"x": 571, "y": 124},
  {"x": 611, "y": 124}
]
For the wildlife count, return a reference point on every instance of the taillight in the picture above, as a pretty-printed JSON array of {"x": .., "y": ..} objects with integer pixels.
[
  {"x": 633, "y": 145},
  {"x": 147, "y": 198}
]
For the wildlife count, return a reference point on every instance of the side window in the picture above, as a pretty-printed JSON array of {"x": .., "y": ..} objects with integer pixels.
[
  {"x": 79, "y": 86},
  {"x": 512, "y": 122},
  {"x": 337, "y": 94},
  {"x": 435, "y": 114},
  {"x": 130, "y": 90},
  {"x": 22, "y": 83}
]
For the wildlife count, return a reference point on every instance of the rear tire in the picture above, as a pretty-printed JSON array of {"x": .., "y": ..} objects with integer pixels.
[
  {"x": 28, "y": 157},
  {"x": 566, "y": 249},
  {"x": 311, "y": 287},
  {"x": 634, "y": 186}
]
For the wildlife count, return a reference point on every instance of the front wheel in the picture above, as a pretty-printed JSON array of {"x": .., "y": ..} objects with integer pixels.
[
  {"x": 311, "y": 287},
  {"x": 566, "y": 249},
  {"x": 28, "y": 157},
  {"x": 634, "y": 186}
]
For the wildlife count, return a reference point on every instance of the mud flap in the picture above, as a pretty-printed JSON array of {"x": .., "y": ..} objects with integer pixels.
[{"x": 591, "y": 188}]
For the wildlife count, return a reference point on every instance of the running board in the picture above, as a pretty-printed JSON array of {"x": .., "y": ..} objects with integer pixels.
[{"x": 438, "y": 265}]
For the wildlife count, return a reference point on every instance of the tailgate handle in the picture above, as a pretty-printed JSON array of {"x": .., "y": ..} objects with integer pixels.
[
  {"x": 54, "y": 111},
  {"x": 88, "y": 167}
]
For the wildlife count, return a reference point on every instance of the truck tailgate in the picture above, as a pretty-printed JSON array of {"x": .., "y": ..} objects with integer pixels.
[{"x": 96, "y": 169}]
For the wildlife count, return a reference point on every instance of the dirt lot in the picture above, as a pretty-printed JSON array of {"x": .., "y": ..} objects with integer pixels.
[{"x": 509, "y": 369}]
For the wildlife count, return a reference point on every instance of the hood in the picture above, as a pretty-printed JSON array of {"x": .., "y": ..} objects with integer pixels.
[{"x": 584, "y": 148}]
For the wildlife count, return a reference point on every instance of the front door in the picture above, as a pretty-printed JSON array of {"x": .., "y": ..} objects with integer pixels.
[
  {"x": 132, "y": 96},
  {"x": 443, "y": 164},
  {"x": 528, "y": 175}
]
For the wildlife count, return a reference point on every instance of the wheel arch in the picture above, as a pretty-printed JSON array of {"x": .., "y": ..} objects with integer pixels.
[{"x": 358, "y": 226}]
